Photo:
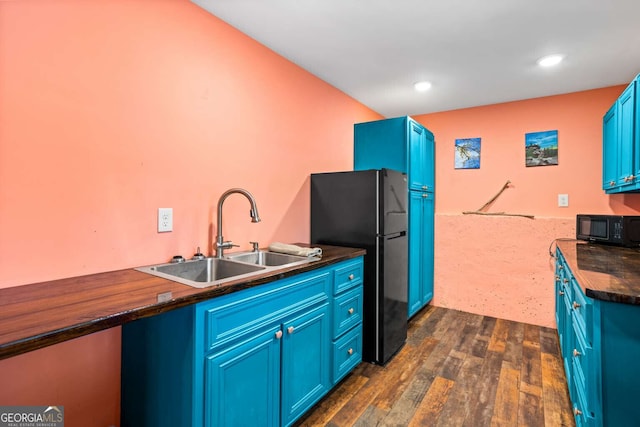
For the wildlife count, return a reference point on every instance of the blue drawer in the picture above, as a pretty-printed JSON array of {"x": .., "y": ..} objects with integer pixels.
[
  {"x": 347, "y": 276},
  {"x": 347, "y": 311},
  {"x": 582, "y": 308},
  {"x": 232, "y": 316},
  {"x": 347, "y": 353}
]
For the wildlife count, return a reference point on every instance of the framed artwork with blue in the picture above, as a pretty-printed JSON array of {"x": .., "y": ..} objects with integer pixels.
[
  {"x": 467, "y": 155},
  {"x": 541, "y": 148}
]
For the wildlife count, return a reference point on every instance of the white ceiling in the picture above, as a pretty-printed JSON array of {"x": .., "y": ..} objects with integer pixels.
[{"x": 474, "y": 52}]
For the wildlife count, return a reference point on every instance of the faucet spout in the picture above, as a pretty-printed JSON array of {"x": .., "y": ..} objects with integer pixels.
[{"x": 221, "y": 245}]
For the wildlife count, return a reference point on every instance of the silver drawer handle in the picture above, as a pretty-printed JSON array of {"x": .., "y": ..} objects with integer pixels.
[
  {"x": 576, "y": 305},
  {"x": 350, "y": 351},
  {"x": 576, "y": 353},
  {"x": 290, "y": 329},
  {"x": 278, "y": 335},
  {"x": 561, "y": 293},
  {"x": 351, "y": 311},
  {"x": 565, "y": 280},
  {"x": 577, "y": 411},
  {"x": 351, "y": 277}
]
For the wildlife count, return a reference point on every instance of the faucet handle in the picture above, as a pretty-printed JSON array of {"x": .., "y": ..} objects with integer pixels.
[
  {"x": 226, "y": 245},
  {"x": 198, "y": 254},
  {"x": 256, "y": 246}
]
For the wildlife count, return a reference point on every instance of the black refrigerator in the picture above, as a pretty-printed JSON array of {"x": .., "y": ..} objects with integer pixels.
[{"x": 368, "y": 209}]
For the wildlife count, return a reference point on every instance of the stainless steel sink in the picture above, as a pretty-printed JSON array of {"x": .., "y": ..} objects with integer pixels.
[
  {"x": 204, "y": 272},
  {"x": 269, "y": 259},
  {"x": 208, "y": 272}
]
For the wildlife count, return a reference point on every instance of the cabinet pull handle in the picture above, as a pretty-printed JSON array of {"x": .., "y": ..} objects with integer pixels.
[
  {"x": 561, "y": 267},
  {"x": 425, "y": 195},
  {"x": 612, "y": 183},
  {"x": 557, "y": 278},
  {"x": 290, "y": 329},
  {"x": 576, "y": 353},
  {"x": 351, "y": 277},
  {"x": 561, "y": 293},
  {"x": 576, "y": 305},
  {"x": 565, "y": 280},
  {"x": 577, "y": 411},
  {"x": 350, "y": 351},
  {"x": 351, "y": 310},
  {"x": 278, "y": 335}
]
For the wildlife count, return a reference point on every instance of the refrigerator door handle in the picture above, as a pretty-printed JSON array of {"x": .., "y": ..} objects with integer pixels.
[{"x": 395, "y": 235}]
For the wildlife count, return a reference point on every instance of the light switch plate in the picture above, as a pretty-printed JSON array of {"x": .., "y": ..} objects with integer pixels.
[
  {"x": 165, "y": 220},
  {"x": 563, "y": 200}
]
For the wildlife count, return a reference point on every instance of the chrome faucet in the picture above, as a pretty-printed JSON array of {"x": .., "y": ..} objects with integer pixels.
[{"x": 221, "y": 245}]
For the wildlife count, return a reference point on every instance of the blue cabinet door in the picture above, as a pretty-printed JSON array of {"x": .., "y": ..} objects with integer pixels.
[
  {"x": 417, "y": 176},
  {"x": 242, "y": 383},
  {"x": 416, "y": 219},
  {"x": 610, "y": 146},
  {"x": 421, "y": 229},
  {"x": 427, "y": 248},
  {"x": 626, "y": 137},
  {"x": 306, "y": 350},
  {"x": 429, "y": 164},
  {"x": 421, "y": 157}
]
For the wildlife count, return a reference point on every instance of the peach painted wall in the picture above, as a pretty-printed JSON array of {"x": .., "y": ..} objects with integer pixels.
[
  {"x": 111, "y": 109},
  {"x": 500, "y": 266}
]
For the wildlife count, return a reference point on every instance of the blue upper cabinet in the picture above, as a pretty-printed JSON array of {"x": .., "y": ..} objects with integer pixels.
[
  {"x": 621, "y": 143},
  {"x": 401, "y": 144}
]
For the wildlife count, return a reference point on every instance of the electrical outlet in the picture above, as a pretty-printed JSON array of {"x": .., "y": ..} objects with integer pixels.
[
  {"x": 165, "y": 220},
  {"x": 563, "y": 200}
]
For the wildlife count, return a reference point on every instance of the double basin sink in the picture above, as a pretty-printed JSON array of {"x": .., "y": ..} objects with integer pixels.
[{"x": 206, "y": 272}]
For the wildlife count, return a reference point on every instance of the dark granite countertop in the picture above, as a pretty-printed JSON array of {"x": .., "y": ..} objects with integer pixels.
[
  {"x": 41, "y": 314},
  {"x": 607, "y": 273}
]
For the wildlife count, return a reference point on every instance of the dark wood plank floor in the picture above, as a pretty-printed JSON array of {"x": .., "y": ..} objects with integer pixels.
[{"x": 456, "y": 369}]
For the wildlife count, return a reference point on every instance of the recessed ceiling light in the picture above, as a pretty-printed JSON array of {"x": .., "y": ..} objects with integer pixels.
[
  {"x": 550, "y": 60},
  {"x": 422, "y": 86}
]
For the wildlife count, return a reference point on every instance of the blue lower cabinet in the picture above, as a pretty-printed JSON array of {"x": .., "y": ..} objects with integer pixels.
[
  {"x": 263, "y": 355},
  {"x": 600, "y": 345}
]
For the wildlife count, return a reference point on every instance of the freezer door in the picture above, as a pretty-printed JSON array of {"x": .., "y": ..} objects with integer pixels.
[
  {"x": 393, "y": 198},
  {"x": 344, "y": 208}
]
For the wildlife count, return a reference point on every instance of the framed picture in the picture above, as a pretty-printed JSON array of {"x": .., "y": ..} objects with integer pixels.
[
  {"x": 541, "y": 148},
  {"x": 467, "y": 155}
]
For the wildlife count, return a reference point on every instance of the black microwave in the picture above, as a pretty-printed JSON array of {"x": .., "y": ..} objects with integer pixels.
[{"x": 619, "y": 230}]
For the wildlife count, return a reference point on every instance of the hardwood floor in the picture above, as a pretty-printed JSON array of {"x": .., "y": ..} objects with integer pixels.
[{"x": 456, "y": 369}]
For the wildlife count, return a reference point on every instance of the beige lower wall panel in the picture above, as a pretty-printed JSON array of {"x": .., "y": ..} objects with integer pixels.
[{"x": 498, "y": 265}]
